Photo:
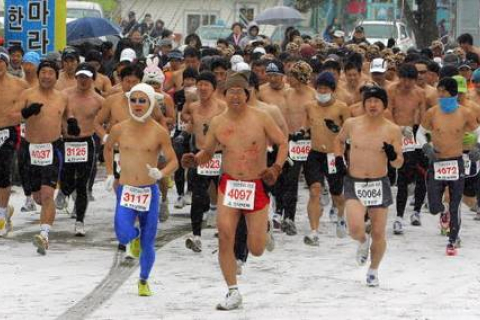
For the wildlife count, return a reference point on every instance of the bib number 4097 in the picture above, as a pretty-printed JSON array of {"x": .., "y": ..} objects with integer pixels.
[{"x": 240, "y": 195}]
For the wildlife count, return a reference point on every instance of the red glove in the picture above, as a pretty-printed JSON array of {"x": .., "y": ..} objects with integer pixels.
[
  {"x": 189, "y": 161},
  {"x": 270, "y": 175}
]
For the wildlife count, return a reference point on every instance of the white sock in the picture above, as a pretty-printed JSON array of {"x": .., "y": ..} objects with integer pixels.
[
  {"x": 3, "y": 212},
  {"x": 45, "y": 229},
  {"x": 313, "y": 233},
  {"x": 232, "y": 288}
]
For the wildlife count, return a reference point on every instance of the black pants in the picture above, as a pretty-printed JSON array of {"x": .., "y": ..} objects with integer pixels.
[
  {"x": 286, "y": 189},
  {"x": 75, "y": 176},
  {"x": 241, "y": 249},
  {"x": 436, "y": 188},
  {"x": 200, "y": 199},
  {"x": 181, "y": 146},
  {"x": 93, "y": 174},
  {"x": 22, "y": 159}
]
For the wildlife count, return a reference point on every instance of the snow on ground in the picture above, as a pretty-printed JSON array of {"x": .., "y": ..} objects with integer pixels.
[{"x": 417, "y": 279}]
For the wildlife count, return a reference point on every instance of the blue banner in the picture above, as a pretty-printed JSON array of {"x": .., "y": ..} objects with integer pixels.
[{"x": 31, "y": 24}]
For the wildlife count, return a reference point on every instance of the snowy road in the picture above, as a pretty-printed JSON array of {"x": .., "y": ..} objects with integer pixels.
[{"x": 79, "y": 277}]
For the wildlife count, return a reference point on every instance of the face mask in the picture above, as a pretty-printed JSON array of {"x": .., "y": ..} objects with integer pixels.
[
  {"x": 324, "y": 98},
  {"x": 448, "y": 105}
]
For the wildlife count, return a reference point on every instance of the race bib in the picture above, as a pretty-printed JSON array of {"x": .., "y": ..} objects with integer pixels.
[
  {"x": 408, "y": 144},
  {"x": 4, "y": 135},
  {"x": 22, "y": 130},
  {"x": 41, "y": 154},
  {"x": 212, "y": 168},
  {"x": 240, "y": 195},
  {"x": 298, "y": 150},
  {"x": 446, "y": 170},
  {"x": 76, "y": 152},
  {"x": 332, "y": 169},
  {"x": 136, "y": 198},
  {"x": 369, "y": 193}
]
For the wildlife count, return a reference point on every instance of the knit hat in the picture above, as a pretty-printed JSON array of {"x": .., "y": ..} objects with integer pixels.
[
  {"x": 476, "y": 76},
  {"x": 48, "y": 64},
  {"x": 208, "y": 76},
  {"x": 450, "y": 85},
  {"x": 376, "y": 92},
  {"x": 326, "y": 79},
  {"x": 301, "y": 71}
]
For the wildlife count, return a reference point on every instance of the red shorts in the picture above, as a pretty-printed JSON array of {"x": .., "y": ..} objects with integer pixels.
[{"x": 261, "y": 197}]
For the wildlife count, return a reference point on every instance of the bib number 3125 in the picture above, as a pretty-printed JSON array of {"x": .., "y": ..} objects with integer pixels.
[{"x": 240, "y": 195}]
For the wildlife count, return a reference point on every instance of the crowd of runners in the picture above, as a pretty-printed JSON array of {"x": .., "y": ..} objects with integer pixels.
[{"x": 237, "y": 128}]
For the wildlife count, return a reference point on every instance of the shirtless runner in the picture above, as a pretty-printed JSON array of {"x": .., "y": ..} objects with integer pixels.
[
  {"x": 79, "y": 151},
  {"x": 10, "y": 89},
  {"x": 200, "y": 114},
  {"x": 448, "y": 122},
  {"x": 325, "y": 118},
  {"x": 243, "y": 134},
  {"x": 44, "y": 110},
  {"x": 140, "y": 139},
  {"x": 375, "y": 142},
  {"x": 407, "y": 103}
]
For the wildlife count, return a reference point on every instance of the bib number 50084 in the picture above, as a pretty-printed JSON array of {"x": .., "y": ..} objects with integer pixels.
[{"x": 369, "y": 193}]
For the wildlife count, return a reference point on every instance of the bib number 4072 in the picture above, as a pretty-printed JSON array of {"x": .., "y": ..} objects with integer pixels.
[{"x": 446, "y": 170}]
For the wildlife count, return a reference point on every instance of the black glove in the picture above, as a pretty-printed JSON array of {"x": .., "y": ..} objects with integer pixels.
[
  {"x": 429, "y": 152},
  {"x": 390, "y": 151},
  {"x": 299, "y": 135},
  {"x": 72, "y": 127},
  {"x": 340, "y": 166},
  {"x": 31, "y": 110},
  {"x": 474, "y": 154},
  {"x": 332, "y": 126}
]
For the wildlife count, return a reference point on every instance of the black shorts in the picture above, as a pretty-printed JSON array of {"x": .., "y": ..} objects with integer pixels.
[
  {"x": 8, "y": 140},
  {"x": 48, "y": 174},
  {"x": 472, "y": 178},
  {"x": 349, "y": 192},
  {"x": 316, "y": 170},
  {"x": 116, "y": 164}
]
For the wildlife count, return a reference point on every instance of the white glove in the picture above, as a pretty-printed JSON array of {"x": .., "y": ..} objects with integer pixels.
[
  {"x": 154, "y": 173},
  {"x": 105, "y": 137},
  {"x": 109, "y": 183},
  {"x": 407, "y": 132}
]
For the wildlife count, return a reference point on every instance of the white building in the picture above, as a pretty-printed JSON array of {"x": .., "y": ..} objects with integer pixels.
[{"x": 185, "y": 16}]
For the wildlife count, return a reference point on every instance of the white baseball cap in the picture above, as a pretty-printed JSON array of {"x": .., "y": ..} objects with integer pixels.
[
  {"x": 241, "y": 66},
  {"x": 260, "y": 49},
  {"x": 128, "y": 54},
  {"x": 378, "y": 65},
  {"x": 339, "y": 34},
  {"x": 236, "y": 59}
]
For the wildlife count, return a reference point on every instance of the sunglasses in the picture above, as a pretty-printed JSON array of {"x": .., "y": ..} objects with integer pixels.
[{"x": 138, "y": 100}]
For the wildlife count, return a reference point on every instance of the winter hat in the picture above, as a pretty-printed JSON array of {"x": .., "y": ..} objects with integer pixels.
[
  {"x": 47, "y": 64},
  {"x": 32, "y": 57},
  {"x": 476, "y": 76},
  {"x": 301, "y": 71},
  {"x": 150, "y": 92},
  {"x": 450, "y": 85},
  {"x": 376, "y": 92},
  {"x": 237, "y": 80},
  {"x": 326, "y": 79}
]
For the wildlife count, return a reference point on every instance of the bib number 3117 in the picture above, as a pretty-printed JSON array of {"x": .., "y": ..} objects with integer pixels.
[
  {"x": 136, "y": 198},
  {"x": 240, "y": 195}
]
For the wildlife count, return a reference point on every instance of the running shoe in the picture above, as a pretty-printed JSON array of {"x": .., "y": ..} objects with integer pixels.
[
  {"x": 277, "y": 222},
  {"x": 341, "y": 228},
  {"x": 398, "y": 226},
  {"x": 79, "y": 229},
  {"x": 179, "y": 203},
  {"x": 233, "y": 300},
  {"x": 363, "y": 251},
  {"x": 415, "y": 219},
  {"x": 451, "y": 249},
  {"x": 29, "y": 205},
  {"x": 60, "y": 201},
  {"x": 41, "y": 243},
  {"x": 144, "y": 289},
  {"x": 372, "y": 278},
  {"x": 194, "y": 243},
  {"x": 312, "y": 239},
  {"x": 164, "y": 212},
  {"x": 288, "y": 226},
  {"x": 477, "y": 217}
]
